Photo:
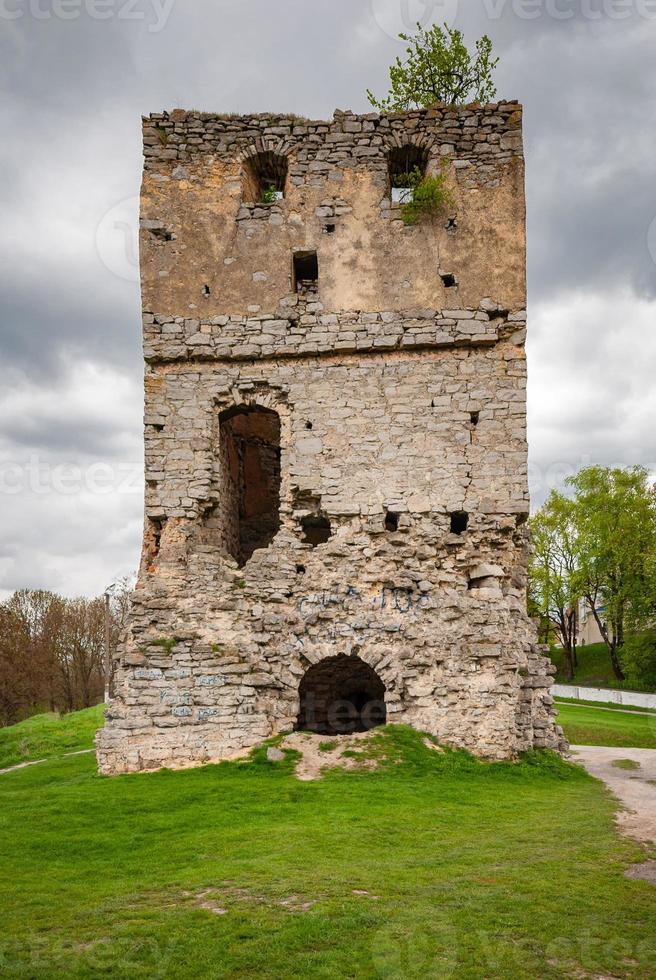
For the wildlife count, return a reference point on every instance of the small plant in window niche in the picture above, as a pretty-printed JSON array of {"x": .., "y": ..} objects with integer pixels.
[
  {"x": 270, "y": 195},
  {"x": 403, "y": 184},
  {"x": 430, "y": 196}
]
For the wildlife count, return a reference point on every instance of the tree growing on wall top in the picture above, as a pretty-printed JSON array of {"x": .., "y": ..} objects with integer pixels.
[{"x": 439, "y": 68}]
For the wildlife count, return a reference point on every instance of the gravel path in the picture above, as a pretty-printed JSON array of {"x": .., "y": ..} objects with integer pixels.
[{"x": 635, "y": 787}]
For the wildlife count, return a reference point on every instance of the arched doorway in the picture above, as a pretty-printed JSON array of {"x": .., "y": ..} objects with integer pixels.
[
  {"x": 250, "y": 492},
  {"x": 339, "y": 696}
]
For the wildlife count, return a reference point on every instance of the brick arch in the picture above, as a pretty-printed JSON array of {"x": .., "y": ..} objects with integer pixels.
[
  {"x": 265, "y": 164},
  {"x": 279, "y": 145},
  {"x": 274, "y": 399},
  {"x": 249, "y": 474},
  {"x": 423, "y": 141}
]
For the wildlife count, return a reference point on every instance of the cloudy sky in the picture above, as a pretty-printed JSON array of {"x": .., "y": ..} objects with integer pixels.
[{"x": 78, "y": 74}]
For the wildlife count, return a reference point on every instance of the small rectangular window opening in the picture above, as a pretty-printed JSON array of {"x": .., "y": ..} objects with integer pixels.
[
  {"x": 448, "y": 280},
  {"x": 459, "y": 522},
  {"x": 306, "y": 272},
  {"x": 391, "y": 521}
]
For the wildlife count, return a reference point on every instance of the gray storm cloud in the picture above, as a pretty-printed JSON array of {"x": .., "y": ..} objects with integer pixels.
[{"x": 69, "y": 331}]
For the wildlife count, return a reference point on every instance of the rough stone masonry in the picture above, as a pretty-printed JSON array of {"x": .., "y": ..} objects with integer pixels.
[{"x": 336, "y": 458}]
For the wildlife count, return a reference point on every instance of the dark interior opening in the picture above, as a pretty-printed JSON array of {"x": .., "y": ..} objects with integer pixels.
[
  {"x": 163, "y": 234},
  {"x": 330, "y": 229},
  {"x": 250, "y": 454},
  {"x": 341, "y": 695},
  {"x": 265, "y": 177},
  {"x": 157, "y": 526},
  {"x": 391, "y": 521},
  {"x": 474, "y": 417},
  {"x": 448, "y": 280},
  {"x": 404, "y": 162},
  {"x": 306, "y": 272},
  {"x": 459, "y": 522},
  {"x": 316, "y": 529}
]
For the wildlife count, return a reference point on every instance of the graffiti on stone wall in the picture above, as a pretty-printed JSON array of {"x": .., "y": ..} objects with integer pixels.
[
  {"x": 388, "y": 598},
  {"x": 384, "y": 611}
]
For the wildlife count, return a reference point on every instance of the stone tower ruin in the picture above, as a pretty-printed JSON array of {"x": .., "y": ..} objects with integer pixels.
[{"x": 335, "y": 423}]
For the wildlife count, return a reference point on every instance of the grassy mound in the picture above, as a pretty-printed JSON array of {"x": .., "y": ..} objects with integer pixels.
[
  {"x": 43, "y": 736},
  {"x": 433, "y": 864}
]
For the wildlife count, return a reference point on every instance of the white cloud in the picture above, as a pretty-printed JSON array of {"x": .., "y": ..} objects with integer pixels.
[{"x": 590, "y": 395}]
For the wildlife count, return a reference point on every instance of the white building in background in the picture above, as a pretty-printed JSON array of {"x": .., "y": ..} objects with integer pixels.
[{"x": 587, "y": 629}]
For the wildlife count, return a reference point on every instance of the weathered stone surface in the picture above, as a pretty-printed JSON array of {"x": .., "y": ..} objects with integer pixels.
[{"x": 310, "y": 456}]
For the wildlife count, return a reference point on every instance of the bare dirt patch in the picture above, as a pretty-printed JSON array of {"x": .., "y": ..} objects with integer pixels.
[
  {"x": 642, "y": 872},
  {"x": 318, "y": 753},
  {"x": 633, "y": 782}
]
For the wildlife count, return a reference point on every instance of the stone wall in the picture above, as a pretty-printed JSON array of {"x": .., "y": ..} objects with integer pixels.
[{"x": 400, "y": 541}]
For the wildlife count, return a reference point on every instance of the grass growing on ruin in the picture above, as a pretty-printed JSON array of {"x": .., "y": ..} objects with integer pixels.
[
  {"x": 433, "y": 865},
  {"x": 586, "y": 725},
  {"x": 43, "y": 736}
]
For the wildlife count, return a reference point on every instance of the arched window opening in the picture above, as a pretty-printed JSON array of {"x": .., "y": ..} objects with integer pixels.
[
  {"x": 250, "y": 464},
  {"x": 407, "y": 165},
  {"x": 265, "y": 177},
  {"x": 339, "y": 696}
]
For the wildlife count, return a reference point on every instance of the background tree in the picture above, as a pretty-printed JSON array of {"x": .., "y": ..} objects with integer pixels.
[
  {"x": 614, "y": 516},
  {"x": 553, "y": 572},
  {"x": 439, "y": 68},
  {"x": 52, "y": 650}
]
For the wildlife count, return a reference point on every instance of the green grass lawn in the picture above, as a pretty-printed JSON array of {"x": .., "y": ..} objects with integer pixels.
[
  {"x": 46, "y": 735},
  {"x": 464, "y": 869},
  {"x": 613, "y": 705},
  {"x": 587, "y": 725}
]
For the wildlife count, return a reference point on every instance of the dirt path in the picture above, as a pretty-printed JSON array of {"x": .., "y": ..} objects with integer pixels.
[
  {"x": 633, "y": 782},
  {"x": 319, "y": 752},
  {"x": 37, "y": 762}
]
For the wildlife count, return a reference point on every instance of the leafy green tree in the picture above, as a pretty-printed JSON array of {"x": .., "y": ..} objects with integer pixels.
[
  {"x": 553, "y": 572},
  {"x": 614, "y": 516},
  {"x": 639, "y": 660},
  {"x": 439, "y": 68}
]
